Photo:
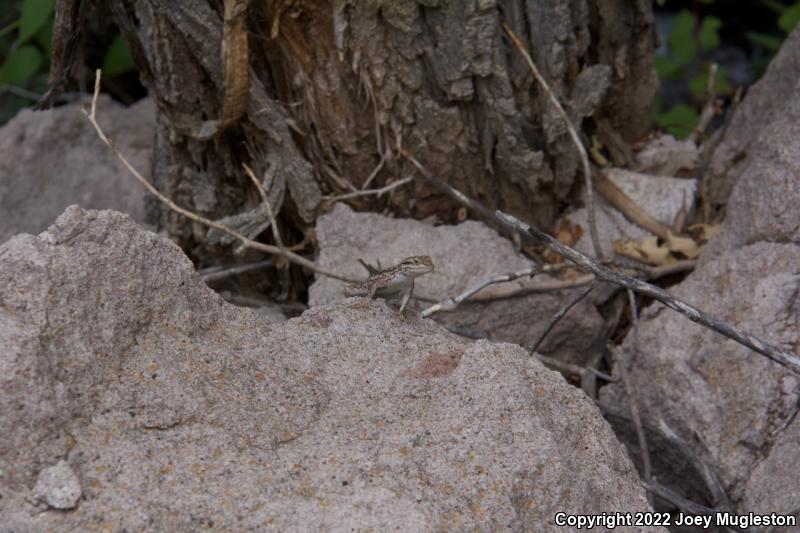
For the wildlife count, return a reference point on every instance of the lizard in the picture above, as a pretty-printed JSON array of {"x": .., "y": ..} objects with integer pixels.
[{"x": 394, "y": 284}]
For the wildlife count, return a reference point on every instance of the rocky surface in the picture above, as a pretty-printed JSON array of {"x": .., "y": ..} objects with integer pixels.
[
  {"x": 661, "y": 197},
  {"x": 462, "y": 255},
  {"x": 667, "y": 156},
  {"x": 179, "y": 412},
  {"x": 51, "y": 159},
  {"x": 765, "y": 104},
  {"x": 58, "y": 486},
  {"x": 735, "y": 406}
]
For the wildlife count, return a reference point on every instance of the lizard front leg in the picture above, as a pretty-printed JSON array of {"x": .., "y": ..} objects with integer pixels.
[{"x": 406, "y": 297}]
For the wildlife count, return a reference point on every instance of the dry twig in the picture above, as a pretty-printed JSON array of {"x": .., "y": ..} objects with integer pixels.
[
  {"x": 561, "y": 314},
  {"x": 222, "y": 272},
  {"x": 710, "y": 108},
  {"x": 451, "y": 303},
  {"x": 633, "y": 407},
  {"x": 273, "y": 250},
  {"x": 367, "y": 192},
  {"x": 601, "y": 272},
  {"x": 778, "y": 355},
  {"x": 272, "y": 222},
  {"x": 687, "y": 506},
  {"x": 718, "y": 495},
  {"x": 587, "y": 172}
]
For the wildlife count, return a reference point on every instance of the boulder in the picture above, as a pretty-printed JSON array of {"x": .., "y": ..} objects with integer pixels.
[
  {"x": 462, "y": 255},
  {"x": 735, "y": 407},
  {"x": 51, "y": 159},
  {"x": 180, "y": 412},
  {"x": 765, "y": 104}
]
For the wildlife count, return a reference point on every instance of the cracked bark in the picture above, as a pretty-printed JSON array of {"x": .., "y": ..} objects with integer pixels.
[{"x": 335, "y": 86}]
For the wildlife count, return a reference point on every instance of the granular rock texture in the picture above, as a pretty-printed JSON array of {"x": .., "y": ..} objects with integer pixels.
[
  {"x": 463, "y": 255},
  {"x": 735, "y": 407},
  {"x": 51, "y": 159},
  {"x": 179, "y": 412}
]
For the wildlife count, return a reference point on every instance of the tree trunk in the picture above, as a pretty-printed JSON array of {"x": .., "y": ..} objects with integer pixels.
[{"x": 317, "y": 96}]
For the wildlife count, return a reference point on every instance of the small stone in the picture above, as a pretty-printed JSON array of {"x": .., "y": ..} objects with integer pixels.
[{"x": 58, "y": 486}]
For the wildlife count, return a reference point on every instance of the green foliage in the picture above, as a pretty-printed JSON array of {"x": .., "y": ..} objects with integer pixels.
[
  {"x": 25, "y": 47},
  {"x": 699, "y": 84},
  {"x": 678, "y": 121},
  {"x": 688, "y": 41},
  {"x": 709, "y": 33},
  {"x": 33, "y": 14},
  {"x": 769, "y": 43},
  {"x": 681, "y": 40},
  {"x": 20, "y": 65},
  {"x": 788, "y": 17},
  {"x": 118, "y": 58}
]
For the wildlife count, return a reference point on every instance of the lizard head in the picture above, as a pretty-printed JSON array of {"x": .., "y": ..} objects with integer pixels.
[{"x": 417, "y": 265}]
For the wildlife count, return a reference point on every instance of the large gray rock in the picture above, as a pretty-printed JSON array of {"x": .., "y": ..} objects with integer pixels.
[
  {"x": 765, "y": 202},
  {"x": 52, "y": 159},
  {"x": 462, "y": 255},
  {"x": 702, "y": 383},
  {"x": 734, "y": 405},
  {"x": 765, "y": 104},
  {"x": 179, "y": 412}
]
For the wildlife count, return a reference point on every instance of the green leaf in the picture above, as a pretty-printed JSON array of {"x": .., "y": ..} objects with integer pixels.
[
  {"x": 709, "y": 33},
  {"x": 20, "y": 65},
  {"x": 33, "y": 13},
  {"x": 699, "y": 83},
  {"x": 666, "y": 67},
  {"x": 774, "y": 6},
  {"x": 679, "y": 121},
  {"x": 767, "y": 42},
  {"x": 45, "y": 37},
  {"x": 681, "y": 38},
  {"x": 788, "y": 20},
  {"x": 656, "y": 107},
  {"x": 8, "y": 29},
  {"x": 118, "y": 58}
]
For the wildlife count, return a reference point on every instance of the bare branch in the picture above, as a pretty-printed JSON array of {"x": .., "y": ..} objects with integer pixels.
[
  {"x": 587, "y": 172},
  {"x": 382, "y": 190},
  {"x": 778, "y": 355},
  {"x": 222, "y": 272},
  {"x": 633, "y": 407},
  {"x": 687, "y": 506},
  {"x": 720, "y": 499},
  {"x": 710, "y": 108},
  {"x": 718, "y": 494},
  {"x": 451, "y": 303},
  {"x": 274, "y": 223},
  {"x": 274, "y": 250},
  {"x": 561, "y": 313},
  {"x": 532, "y": 234},
  {"x": 374, "y": 173}
]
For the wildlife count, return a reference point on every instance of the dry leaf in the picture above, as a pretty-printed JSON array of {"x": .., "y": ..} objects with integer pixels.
[
  {"x": 706, "y": 230},
  {"x": 683, "y": 245},
  {"x": 628, "y": 248},
  {"x": 654, "y": 253},
  {"x": 647, "y": 251},
  {"x": 567, "y": 232}
]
